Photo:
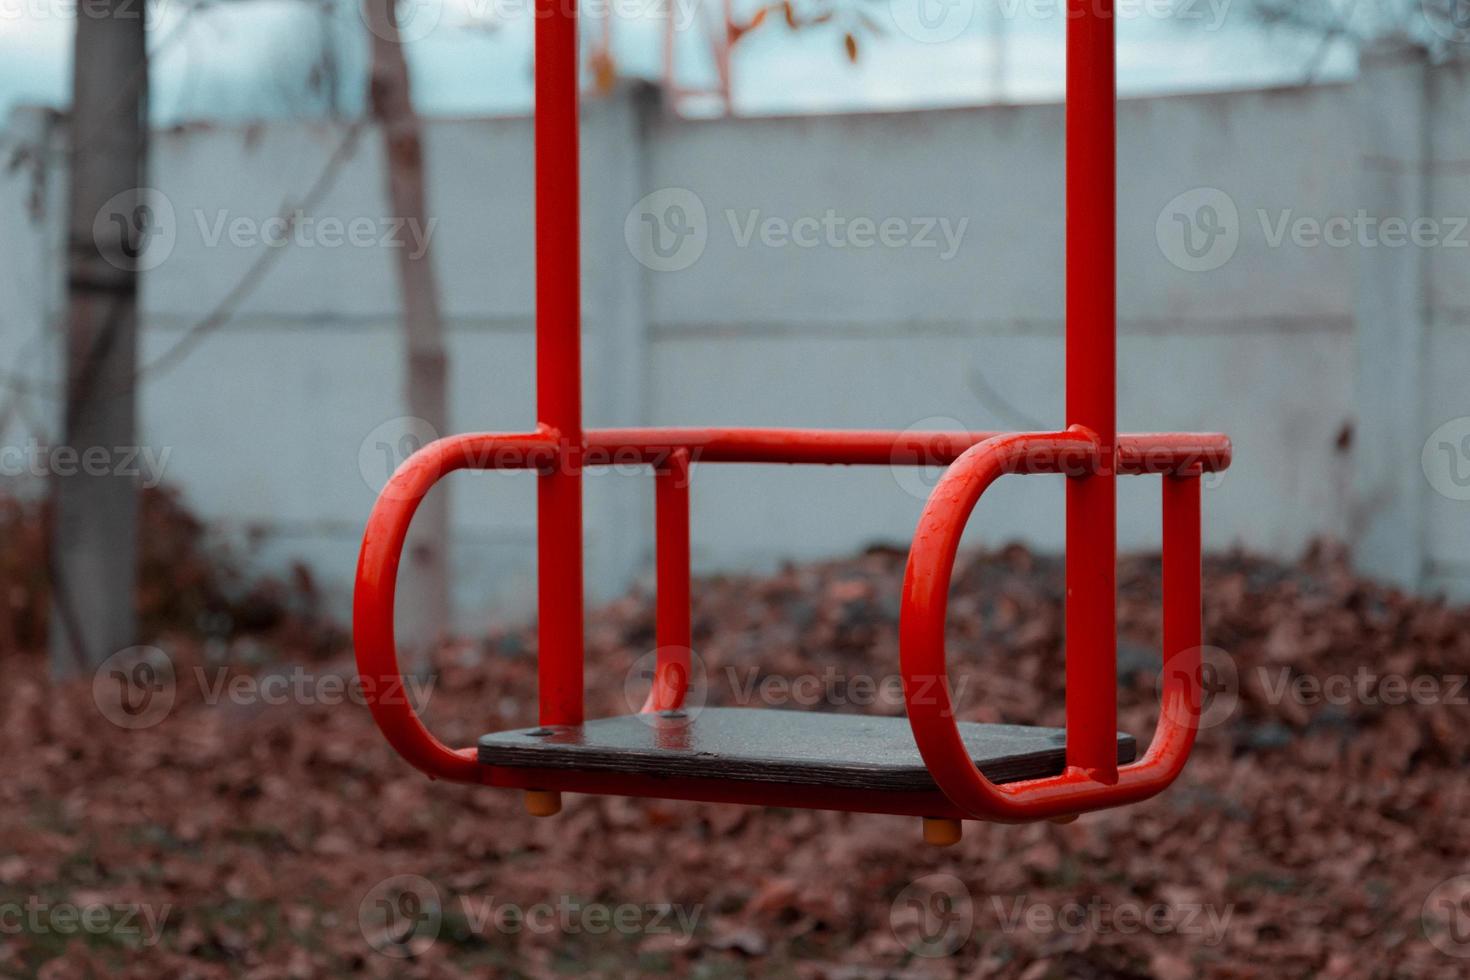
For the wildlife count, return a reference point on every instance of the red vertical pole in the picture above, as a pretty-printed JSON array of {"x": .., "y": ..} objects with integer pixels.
[
  {"x": 1183, "y": 626},
  {"x": 1092, "y": 705},
  {"x": 671, "y": 515},
  {"x": 559, "y": 363}
]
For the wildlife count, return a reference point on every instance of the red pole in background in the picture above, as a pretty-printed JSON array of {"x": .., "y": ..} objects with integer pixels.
[
  {"x": 674, "y": 634},
  {"x": 1092, "y": 700},
  {"x": 559, "y": 363}
]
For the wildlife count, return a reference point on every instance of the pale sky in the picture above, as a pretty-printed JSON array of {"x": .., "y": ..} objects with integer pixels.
[{"x": 250, "y": 58}]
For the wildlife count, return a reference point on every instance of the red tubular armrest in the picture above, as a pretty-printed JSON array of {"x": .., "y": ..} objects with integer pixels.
[{"x": 922, "y": 624}]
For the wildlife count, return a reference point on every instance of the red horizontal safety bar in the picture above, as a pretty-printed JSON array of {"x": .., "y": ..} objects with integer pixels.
[{"x": 1137, "y": 454}]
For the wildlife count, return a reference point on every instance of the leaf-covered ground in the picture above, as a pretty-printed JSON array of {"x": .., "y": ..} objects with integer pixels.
[{"x": 1318, "y": 831}]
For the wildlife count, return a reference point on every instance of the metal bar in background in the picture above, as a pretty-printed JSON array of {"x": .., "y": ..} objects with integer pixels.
[
  {"x": 673, "y": 631},
  {"x": 1151, "y": 453},
  {"x": 1091, "y": 618},
  {"x": 559, "y": 365}
]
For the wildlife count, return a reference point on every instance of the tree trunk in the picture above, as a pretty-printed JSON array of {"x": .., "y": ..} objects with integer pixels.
[
  {"x": 424, "y": 603},
  {"x": 115, "y": 228}
]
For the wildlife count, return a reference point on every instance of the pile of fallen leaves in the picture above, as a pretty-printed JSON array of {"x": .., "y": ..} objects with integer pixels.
[
  {"x": 1310, "y": 836},
  {"x": 187, "y": 578}
]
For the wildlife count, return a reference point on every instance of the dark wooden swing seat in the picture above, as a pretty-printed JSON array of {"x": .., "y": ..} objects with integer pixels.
[{"x": 806, "y": 748}]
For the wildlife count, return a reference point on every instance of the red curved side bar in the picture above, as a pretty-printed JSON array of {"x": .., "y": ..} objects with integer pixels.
[
  {"x": 922, "y": 651},
  {"x": 377, "y": 579}
]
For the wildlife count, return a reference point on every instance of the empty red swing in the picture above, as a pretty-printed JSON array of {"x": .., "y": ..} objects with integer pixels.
[{"x": 934, "y": 767}]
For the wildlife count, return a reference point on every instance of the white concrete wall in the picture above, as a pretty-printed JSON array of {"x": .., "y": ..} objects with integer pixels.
[{"x": 267, "y": 416}]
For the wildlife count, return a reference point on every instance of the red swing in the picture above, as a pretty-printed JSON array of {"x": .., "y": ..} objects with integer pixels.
[{"x": 934, "y": 767}]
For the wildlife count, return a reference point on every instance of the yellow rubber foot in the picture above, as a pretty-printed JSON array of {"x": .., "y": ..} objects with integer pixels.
[
  {"x": 543, "y": 803},
  {"x": 942, "y": 833}
]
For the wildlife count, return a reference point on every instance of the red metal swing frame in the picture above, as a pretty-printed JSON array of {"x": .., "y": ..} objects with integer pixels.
[{"x": 1089, "y": 453}]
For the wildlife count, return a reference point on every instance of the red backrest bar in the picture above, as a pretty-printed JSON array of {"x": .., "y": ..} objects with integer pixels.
[
  {"x": 1092, "y": 706},
  {"x": 559, "y": 363}
]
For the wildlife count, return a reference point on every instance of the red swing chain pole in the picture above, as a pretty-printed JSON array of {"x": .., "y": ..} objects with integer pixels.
[
  {"x": 1091, "y": 617},
  {"x": 559, "y": 364}
]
